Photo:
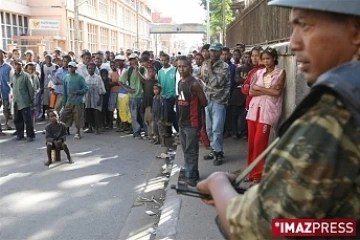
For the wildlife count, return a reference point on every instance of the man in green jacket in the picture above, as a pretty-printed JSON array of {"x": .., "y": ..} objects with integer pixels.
[{"x": 23, "y": 93}]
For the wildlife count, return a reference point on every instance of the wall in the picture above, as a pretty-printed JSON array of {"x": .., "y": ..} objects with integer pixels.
[{"x": 296, "y": 85}]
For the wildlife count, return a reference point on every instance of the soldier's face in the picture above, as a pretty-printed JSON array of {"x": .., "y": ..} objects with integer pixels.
[{"x": 321, "y": 42}]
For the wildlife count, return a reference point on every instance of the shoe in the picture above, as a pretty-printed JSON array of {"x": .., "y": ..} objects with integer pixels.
[
  {"x": 218, "y": 159},
  {"x": 48, "y": 163},
  {"x": 19, "y": 138},
  {"x": 191, "y": 182},
  {"x": 89, "y": 130},
  {"x": 30, "y": 139},
  {"x": 210, "y": 156}
]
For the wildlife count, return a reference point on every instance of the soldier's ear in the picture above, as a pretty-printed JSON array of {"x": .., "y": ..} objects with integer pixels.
[{"x": 355, "y": 22}]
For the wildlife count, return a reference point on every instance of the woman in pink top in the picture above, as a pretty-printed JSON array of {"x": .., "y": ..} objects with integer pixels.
[{"x": 265, "y": 107}]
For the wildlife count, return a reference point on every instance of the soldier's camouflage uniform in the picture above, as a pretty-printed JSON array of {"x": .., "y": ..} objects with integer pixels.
[{"x": 313, "y": 172}]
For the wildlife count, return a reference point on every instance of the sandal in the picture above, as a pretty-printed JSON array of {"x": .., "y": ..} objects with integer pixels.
[
  {"x": 163, "y": 156},
  {"x": 77, "y": 136},
  {"x": 8, "y": 128}
]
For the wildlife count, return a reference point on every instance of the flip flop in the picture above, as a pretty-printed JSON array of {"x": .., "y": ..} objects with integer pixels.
[
  {"x": 163, "y": 156},
  {"x": 77, "y": 136}
]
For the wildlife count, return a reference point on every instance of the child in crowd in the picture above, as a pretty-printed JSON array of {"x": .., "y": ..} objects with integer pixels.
[
  {"x": 105, "y": 121},
  {"x": 51, "y": 87},
  {"x": 148, "y": 97},
  {"x": 93, "y": 99},
  {"x": 30, "y": 69},
  {"x": 157, "y": 107},
  {"x": 56, "y": 137}
]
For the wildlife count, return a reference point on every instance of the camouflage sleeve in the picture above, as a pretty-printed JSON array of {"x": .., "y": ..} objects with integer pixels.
[{"x": 311, "y": 173}]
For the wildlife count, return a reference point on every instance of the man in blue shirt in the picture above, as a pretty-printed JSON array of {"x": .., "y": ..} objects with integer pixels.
[
  {"x": 59, "y": 82},
  {"x": 6, "y": 73}
]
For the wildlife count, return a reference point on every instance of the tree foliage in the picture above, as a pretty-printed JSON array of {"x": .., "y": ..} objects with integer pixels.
[{"x": 216, "y": 13}]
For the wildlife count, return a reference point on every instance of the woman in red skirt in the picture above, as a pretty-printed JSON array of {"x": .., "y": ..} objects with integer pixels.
[{"x": 265, "y": 107}]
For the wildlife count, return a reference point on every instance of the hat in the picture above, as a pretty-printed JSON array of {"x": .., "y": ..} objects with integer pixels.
[
  {"x": 72, "y": 64},
  {"x": 57, "y": 49},
  {"x": 215, "y": 47},
  {"x": 350, "y": 7},
  {"x": 30, "y": 63},
  {"x": 132, "y": 56},
  {"x": 29, "y": 51},
  {"x": 2, "y": 51},
  {"x": 18, "y": 61},
  {"x": 120, "y": 57},
  {"x": 48, "y": 55}
]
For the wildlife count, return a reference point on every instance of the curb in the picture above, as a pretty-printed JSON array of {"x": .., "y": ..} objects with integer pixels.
[{"x": 170, "y": 211}]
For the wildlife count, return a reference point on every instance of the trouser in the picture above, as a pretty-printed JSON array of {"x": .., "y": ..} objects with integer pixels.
[
  {"x": 258, "y": 140},
  {"x": 92, "y": 116},
  {"x": 169, "y": 114},
  {"x": 203, "y": 135},
  {"x": 58, "y": 103},
  {"x": 189, "y": 138},
  {"x": 148, "y": 121},
  {"x": 238, "y": 113},
  {"x": 215, "y": 120},
  {"x": 165, "y": 133},
  {"x": 21, "y": 117},
  {"x": 38, "y": 104},
  {"x": 136, "y": 111}
]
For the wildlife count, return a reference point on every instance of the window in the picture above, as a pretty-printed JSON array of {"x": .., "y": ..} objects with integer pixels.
[
  {"x": 92, "y": 38},
  {"x": 103, "y": 11},
  {"x": 91, "y": 8},
  {"x": 104, "y": 39},
  {"x": 114, "y": 39},
  {"x": 133, "y": 23},
  {"x": 113, "y": 11},
  {"x": 72, "y": 35},
  {"x": 127, "y": 19},
  {"x": 12, "y": 25}
]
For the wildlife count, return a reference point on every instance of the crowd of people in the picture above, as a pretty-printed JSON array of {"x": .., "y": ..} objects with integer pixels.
[{"x": 201, "y": 97}]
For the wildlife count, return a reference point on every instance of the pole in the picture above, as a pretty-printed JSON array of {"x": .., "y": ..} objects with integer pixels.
[
  {"x": 76, "y": 28},
  {"x": 156, "y": 45},
  {"x": 137, "y": 24},
  {"x": 208, "y": 21},
  {"x": 224, "y": 22}
]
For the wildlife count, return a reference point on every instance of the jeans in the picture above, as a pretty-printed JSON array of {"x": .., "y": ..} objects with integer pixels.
[
  {"x": 170, "y": 114},
  {"x": 21, "y": 117},
  {"x": 238, "y": 113},
  {"x": 136, "y": 112},
  {"x": 215, "y": 120},
  {"x": 189, "y": 138}
]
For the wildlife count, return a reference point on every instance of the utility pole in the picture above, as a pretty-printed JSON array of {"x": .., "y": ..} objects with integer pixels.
[
  {"x": 76, "y": 28},
  {"x": 224, "y": 22},
  {"x": 137, "y": 24},
  {"x": 208, "y": 21}
]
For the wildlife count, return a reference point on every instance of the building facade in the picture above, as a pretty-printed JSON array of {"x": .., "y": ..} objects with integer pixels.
[{"x": 113, "y": 25}]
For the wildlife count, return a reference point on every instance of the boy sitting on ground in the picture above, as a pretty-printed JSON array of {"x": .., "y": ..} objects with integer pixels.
[{"x": 56, "y": 136}]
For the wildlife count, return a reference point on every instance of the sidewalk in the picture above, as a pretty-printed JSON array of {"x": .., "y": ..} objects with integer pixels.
[{"x": 188, "y": 218}]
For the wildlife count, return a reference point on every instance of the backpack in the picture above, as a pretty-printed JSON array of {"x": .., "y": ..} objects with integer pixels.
[{"x": 130, "y": 71}]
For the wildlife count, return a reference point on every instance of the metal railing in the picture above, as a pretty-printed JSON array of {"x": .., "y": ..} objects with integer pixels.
[{"x": 260, "y": 24}]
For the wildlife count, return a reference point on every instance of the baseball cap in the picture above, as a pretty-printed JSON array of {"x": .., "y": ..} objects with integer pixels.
[
  {"x": 30, "y": 63},
  {"x": 29, "y": 51},
  {"x": 120, "y": 57},
  {"x": 132, "y": 56},
  {"x": 18, "y": 61},
  {"x": 72, "y": 64},
  {"x": 215, "y": 47}
]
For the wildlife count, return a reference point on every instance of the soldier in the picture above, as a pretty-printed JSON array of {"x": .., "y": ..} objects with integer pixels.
[{"x": 313, "y": 170}]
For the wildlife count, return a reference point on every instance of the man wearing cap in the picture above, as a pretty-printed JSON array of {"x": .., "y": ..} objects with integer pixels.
[
  {"x": 216, "y": 78},
  {"x": 23, "y": 93},
  {"x": 75, "y": 88},
  {"x": 136, "y": 93},
  {"x": 6, "y": 73},
  {"x": 29, "y": 57},
  {"x": 313, "y": 171}
]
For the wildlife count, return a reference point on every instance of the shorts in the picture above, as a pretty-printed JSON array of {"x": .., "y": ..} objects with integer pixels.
[
  {"x": 73, "y": 113},
  {"x": 6, "y": 105}
]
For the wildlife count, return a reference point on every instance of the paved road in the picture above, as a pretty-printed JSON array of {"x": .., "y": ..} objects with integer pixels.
[{"x": 95, "y": 198}]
